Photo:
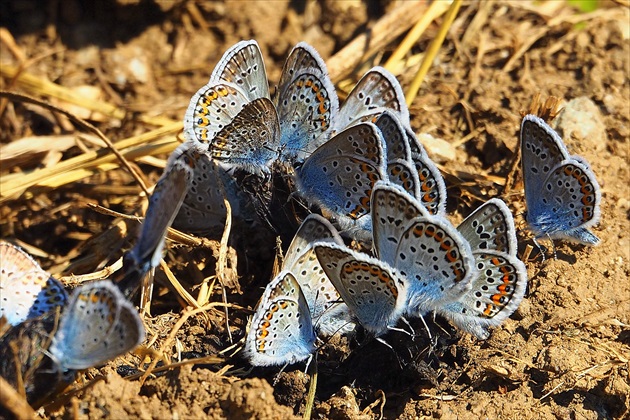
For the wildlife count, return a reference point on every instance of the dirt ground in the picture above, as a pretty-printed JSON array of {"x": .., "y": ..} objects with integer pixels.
[{"x": 564, "y": 353}]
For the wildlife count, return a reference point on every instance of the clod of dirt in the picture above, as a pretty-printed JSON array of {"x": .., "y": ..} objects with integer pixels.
[
  {"x": 253, "y": 398},
  {"x": 343, "y": 405},
  {"x": 582, "y": 120}
]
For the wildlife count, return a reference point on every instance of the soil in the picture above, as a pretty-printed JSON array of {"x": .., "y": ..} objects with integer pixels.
[{"x": 565, "y": 352}]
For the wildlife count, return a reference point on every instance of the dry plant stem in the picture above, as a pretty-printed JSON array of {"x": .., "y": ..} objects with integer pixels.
[
  {"x": 84, "y": 124},
  {"x": 178, "y": 287},
  {"x": 146, "y": 292},
  {"x": 38, "y": 86},
  {"x": 375, "y": 39},
  {"x": 380, "y": 402},
  {"x": 527, "y": 253},
  {"x": 7, "y": 39},
  {"x": 139, "y": 146},
  {"x": 312, "y": 387},
  {"x": 222, "y": 260},
  {"x": 474, "y": 29},
  {"x": 173, "y": 234},
  {"x": 436, "y": 10},
  {"x": 14, "y": 402},
  {"x": 412, "y": 92},
  {"x": 473, "y": 134},
  {"x": 97, "y": 275}
]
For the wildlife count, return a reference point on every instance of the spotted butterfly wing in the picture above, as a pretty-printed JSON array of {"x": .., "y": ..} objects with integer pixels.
[
  {"x": 97, "y": 325},
  {"x": 500, "y": 284},
  {"x": 251, "y": 140},
  {"x": 373, "y": 291},
  {"x": 392, "y": 211},
  {"x": 432, "y": 189},
  {"x": 490, "y": 227},
  {"x": 562, "y": 195},
  {"x": 26, "y": 290},
  {"x": 212, "y": 108},
  {"x": 243, "y": 66},
  {"x": 496, "y": 292},
  {"x": 306, "y": 101},
  {"x": 281, "y": 331},
  {"x": 403, "y": 174},
  {"x": 330, "y": 315},
  {"x": 340, "y": 174},
  {"x": 427, "y": 249},
  {"x": 378, "y": 88}
]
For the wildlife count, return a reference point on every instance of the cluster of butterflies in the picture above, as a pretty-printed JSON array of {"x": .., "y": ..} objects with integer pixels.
[
  {"x": 361, "y": 166},
  {"x": 238, "y": 138}
]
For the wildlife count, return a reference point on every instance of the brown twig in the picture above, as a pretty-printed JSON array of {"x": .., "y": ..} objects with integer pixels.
[{"x": 14, "y": 402}]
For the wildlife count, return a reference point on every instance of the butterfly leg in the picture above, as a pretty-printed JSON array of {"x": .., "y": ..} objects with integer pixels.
[{"x": 541, "y": 249}]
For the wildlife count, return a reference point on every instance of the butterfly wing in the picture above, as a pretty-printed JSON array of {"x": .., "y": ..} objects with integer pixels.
[
  {"x": 378, "y": 88},
  {"x": 329, "y": 314},
  {"x": 496, "y": 292},
  {"x": 542, "y": 149},
  {"x": 567, "y": 204},
  {"x": 341, "y": 173},
  {"x": 306, "y": 101},
  {"x": 306, "y": 108},
  {"x": 392, "y": 210},
  {"x": 373, "y": 291},
  {"x": 164, "y": 204},
  {"x": 251, "y": 140},
  {"x": 314, "y": 228},
  {"x": 281, "y": 331},
  {"x": 203, "y": 208},
  {"x": 432, "y": 187},
  {"x": 243, "y": 66},
  {"x": 97, "y": 325},
  {"x": 436, "y": 260},
  {"x": 490, "y": 227},
  {"x": 26, "y": 290},
  {"x": 403, "y": 173},
  {"x": 394, "y": 134},
  {"x": 211, "y": 109}
]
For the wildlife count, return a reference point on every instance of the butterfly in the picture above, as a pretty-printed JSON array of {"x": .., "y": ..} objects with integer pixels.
[
  {"x": 434, "y": 257},
  {"x": 340, "y": 174},
  {"x": 281, "y": 331},
  {"x": 328, "y": 312},
  {"x": 375, "y": 293},
  {"x": 97, "y": 325},
  {"x": 561, "y": 192},
  {"x": 233, "y": 113},
  {"x": 164, "y": 204},
  {"x": 306, "y": 102},
  {"x": 376, "y": 91}
]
